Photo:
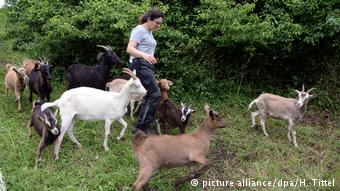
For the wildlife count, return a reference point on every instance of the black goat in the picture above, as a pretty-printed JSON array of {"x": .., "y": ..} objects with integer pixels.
[
  {"x": 40, "y": 82},
  {"x": 45, "y": 124},
  {"x": 167, "y": 113},
  {"x": 97, "y": 76}
]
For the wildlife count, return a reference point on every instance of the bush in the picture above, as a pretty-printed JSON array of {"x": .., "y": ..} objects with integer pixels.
[{"x": 215, "y": 46}]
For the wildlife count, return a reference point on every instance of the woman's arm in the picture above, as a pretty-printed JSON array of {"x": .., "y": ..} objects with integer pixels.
[{"x": 132, "y": 51}]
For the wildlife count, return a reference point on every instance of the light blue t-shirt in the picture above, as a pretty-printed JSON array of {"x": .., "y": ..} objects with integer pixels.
[{"x": 145, "y": 40}]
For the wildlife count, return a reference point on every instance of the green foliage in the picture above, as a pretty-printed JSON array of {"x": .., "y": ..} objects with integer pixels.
[{"x": 212, "y": 45}]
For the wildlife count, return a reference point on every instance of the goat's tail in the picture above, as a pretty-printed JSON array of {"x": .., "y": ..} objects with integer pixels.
[
  {"x": 138, "y": 139},
  {"x": 251, "y": 104},
  {"x": 49, "y": 104}
]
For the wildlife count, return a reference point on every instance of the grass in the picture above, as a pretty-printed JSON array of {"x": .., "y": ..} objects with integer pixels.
[{"x": 237, "y": 152}]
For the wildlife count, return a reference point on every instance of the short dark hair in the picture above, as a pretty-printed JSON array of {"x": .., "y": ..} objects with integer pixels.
[{"x": 152, "y": 14}]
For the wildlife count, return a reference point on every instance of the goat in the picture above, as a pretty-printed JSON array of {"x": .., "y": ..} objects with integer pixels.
[
  {"x": 281, "y": 108},
  {"x": 29, "y": 64},
  {"x": 94, "y": 104},
  {"x": 2, "y": 183},
  {"x": 117, "y": 85},
  {"x": 45, "y": 124},
  {"x": 164, "y": 86},
  {"x": 40, "y": 82},
  {"x": 165, "y": 151},
  {"x": 97, "y": 76},
  {"x": 167, "y": 113},
  {"x": 16, "y": 80}
]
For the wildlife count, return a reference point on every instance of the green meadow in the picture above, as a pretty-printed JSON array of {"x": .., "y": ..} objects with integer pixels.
[{"x": 238, "y": 153}]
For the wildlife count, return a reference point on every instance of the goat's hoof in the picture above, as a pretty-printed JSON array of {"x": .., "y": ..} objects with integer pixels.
[
  {"x": 120, "y": 138},
  {"x": 106, "y": 149},
  {"x": 176, "y": 184},
  {"x": 56, "y": 157}
]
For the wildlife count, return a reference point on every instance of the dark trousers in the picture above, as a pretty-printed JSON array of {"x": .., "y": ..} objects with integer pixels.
[{"x": 145, "y": 73}]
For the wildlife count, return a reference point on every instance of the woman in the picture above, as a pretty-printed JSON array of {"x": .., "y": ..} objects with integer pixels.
[{"x": 141, "y": 49}]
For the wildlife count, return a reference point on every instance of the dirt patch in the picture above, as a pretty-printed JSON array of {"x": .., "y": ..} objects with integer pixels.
[
  {"x": 321, "y": 118},
  {"x": 313, "y": 158},
  {"x": 251, "y": 156},
  {"x": 222, "y": 154}
]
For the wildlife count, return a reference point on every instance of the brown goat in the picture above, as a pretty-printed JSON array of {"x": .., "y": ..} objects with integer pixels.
[
  {"x": 28, "y": 64},
  {"x": 168, "y": 113},
  {"x": 164, "y": 86},
  {"x": 16, "y": 80},
  {"x": 165, "y": 151}
]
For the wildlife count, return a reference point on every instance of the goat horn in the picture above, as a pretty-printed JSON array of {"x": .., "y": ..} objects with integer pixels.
[
  {"x": 206, "y": 108},
  {"x": 182, "y": 104},
  {"x": 15, "y": 65},
  {"x": 297, "y": 91},
  {"x": 303, "y": 88},
  {"x": 41, "y": 61},
  {"x": 130, "y": 73},
  {"x": 56, "y": 113},
  {"x": 310, "y": 90},
  {"x": 110, "y": 48},
  {"x": 102, "y": 46}
]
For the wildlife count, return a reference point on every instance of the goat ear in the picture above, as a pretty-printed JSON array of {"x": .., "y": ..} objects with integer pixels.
[
  {"x": 36, "y": 66},
  {"x": 212, "y": 114},
  {"x": 170, "y": 83},
  {"x": 100, "y": 56},
  {"x": 312, "y": 95}
]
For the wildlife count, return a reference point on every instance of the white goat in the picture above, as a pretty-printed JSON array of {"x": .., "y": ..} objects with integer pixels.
[
  {"x": 2, "y": 183},
  {"x": 117, "y": 85},
  {"x": 281, "y": 108},
  {"x": 94, "y": 104}
]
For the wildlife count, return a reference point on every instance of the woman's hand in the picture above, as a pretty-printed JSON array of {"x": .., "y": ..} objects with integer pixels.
[{"x": 150, "y": 58}]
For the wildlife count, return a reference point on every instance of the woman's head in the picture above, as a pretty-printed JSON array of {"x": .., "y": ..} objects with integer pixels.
[{"x": 154, "y": 17}]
